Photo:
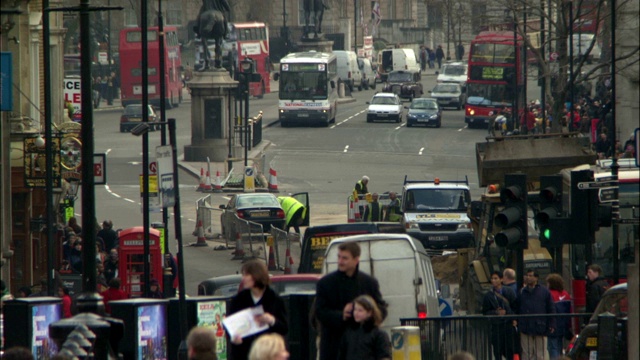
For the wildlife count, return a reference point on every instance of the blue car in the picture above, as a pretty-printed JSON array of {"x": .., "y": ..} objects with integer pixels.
[{"x": 424, "y": 111}]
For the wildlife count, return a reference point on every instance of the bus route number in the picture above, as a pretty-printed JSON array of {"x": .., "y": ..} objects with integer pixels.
[{"x": 492, "y": 73}]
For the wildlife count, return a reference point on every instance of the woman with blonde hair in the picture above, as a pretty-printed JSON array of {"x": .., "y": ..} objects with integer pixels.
[{"x": 269, "y": 347}]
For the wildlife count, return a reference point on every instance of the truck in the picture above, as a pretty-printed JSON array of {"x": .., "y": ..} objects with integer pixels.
[{"x": 435, "y": 212}]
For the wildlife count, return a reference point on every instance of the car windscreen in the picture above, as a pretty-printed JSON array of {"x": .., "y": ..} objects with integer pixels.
[
  {"x": 383, "y": 100},
  {"x": 437, "y": 200},
  {"x": 257, "y": 200},
  {"x": 133, "y": 110},
  {"x": 616, "y": 304},
  {"x": 454, "y": 70},
  {"x": 445, "y": 89},
  {"x": 423, "y": 105},
  {"x": 400, "y": 77}
]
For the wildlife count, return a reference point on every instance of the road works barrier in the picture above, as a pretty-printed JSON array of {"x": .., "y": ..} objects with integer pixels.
[
  {"x": 281, "y": 243},
  {"x": 356, "y": 207},
  {"x": 203, "y": 214},
  {"x": 250, "y": 240}
]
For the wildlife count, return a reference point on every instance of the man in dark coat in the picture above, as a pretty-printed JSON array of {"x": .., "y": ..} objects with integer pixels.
[
  {"x": 535, "y": 299},
  {"x": 439, "y": 56},
  {"x": 596, "y": 286},
  {"x": 108, "y": 235},
  {"x": 335, "y": 293}
]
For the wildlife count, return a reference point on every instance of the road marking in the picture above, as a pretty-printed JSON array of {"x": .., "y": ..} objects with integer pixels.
[
  {"x": 129, "y": 200},
  {"x": 346, "y": 148},
  {"x": 399, "y": 127},
  {"x": 108, "y": 151},
  {"x": 420, "y": 152},
  {"x": 465, "y": 127},
  {"x": 347, "y": 119},
  {"x": 134, "y": 162}
]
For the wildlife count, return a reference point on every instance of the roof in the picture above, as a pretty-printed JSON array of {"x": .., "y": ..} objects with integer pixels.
[
  {"x": 415, "y": 244},
  {"x": 309, "y": 56},
  {"x": 431, "y": 185},
  {"x": 381, "y": 94}
]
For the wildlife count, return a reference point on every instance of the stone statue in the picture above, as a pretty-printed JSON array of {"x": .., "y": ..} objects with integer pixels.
[
  {"x": 212, "y": 24},
  {"x": 316, "y": 7}
]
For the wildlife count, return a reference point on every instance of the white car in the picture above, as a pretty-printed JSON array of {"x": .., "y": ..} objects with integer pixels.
[
  {"x": 450, "y": 95},
  {"x": 385, "y": 106},
  {"x": 453, "y": 72}
]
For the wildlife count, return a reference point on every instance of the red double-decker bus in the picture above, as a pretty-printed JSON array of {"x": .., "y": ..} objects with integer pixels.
[
  {"x": 494, "y": 77},
  {"x": 131, "y": 66},
  {"x": 252, "y": 41}
]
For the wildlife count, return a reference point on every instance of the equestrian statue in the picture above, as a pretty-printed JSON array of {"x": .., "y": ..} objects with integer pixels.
[
  {"x": 212, "y": 24},
  {"x": 316, "y": 7}
]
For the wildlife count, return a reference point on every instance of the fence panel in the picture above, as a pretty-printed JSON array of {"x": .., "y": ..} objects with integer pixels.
[{"x": 250, "y": 240}]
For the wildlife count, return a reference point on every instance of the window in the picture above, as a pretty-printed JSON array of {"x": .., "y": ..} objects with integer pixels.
[
  {"x": 173, "y": 12},
  {"x": 130, "y": 17}
]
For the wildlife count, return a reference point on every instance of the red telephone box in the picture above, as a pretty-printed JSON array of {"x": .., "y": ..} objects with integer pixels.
[{"x": 131, "y": 254}]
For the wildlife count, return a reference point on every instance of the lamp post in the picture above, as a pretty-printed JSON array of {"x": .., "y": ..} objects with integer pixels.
[
  {"x": 247, "y": 69},
  {"x": 459, "y": 48}
]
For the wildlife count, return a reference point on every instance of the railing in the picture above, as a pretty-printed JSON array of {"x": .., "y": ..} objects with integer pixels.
[
  {"x": 280, "y": 238},
  {"x": 250, "y": 240},
  {"x": 254, "y": 128},
  {"x": 203, "y": 213},
  {"x": 443, "y": 336}
]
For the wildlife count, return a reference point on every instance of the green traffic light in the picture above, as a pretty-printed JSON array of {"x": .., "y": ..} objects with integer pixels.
[{"x": 547, "y": 234}]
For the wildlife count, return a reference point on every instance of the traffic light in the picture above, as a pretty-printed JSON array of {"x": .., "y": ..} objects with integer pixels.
[
  {"x": 549, "y": 228},
  {"x": 513, "y": 219}
]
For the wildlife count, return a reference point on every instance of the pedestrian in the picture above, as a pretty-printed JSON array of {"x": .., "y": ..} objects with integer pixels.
[
  {"x": 67, "y": 246},
  {"x": 108, "y": 235},
  {"x": 432, "y": 58},
  {"x": 17, "y": 353},
  {"x": 562, "y": 302},
  {"x": 596, "y": 286},
  {"x": 63, "y": 292},
  {"x": 154, "y": 290},
  {"x": 335, "y": 293},
  {"x": 392, "y": 211},
  {"x": 497, "y": 302},
  {"x": 42, "y": 291},
  {"x": 423, "y": 58},
  {"x": 294, "y": 212},
  {"x": 112, "y": 293},
  {"x": 459, "y": 52},
  {"x": 373, "y": 211},
  {"x": 269, "y": 347},
  {"x": 361, "y": 186},
  {"x": 439, "y": 56},
  {"x": 201, "y": 344},
  {"x": 111, "y": 265},
  {"x": 603, "y": 146},
  {"x": 101, "y": 280},
  {"x": 256, "y": 292},
  {"x": 111, "y": 88},
  {"x": 534, "y": 299},
  {"x": 23, "y": 292},
  {"x": 364, "y": 340},
  {"x": 73, "y": 224},
  {"x": 75, "y": 258}
]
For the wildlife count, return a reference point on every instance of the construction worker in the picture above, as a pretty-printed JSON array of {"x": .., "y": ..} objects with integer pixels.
[
  {"x": 373, "y": 212},
  {"x": 392, "y": 211},
  {"x": 294, "y": 212},
  {"x": 360, "y": 189}
]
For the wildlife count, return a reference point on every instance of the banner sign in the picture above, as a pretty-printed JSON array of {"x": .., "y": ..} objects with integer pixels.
[{"x": 35, "y": 163}]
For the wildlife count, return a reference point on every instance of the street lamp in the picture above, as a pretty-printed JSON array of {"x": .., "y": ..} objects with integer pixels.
[{"x": 247, "y": 68}]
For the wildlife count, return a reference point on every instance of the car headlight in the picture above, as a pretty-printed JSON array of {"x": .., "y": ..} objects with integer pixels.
[
  {"x": 435, "y": 116},
  {"x": 464, "y": 226},
  {"x": 411, "y": 116},
  {"x": 472, "y": 112},
  {"x": 414, "y": 225}
]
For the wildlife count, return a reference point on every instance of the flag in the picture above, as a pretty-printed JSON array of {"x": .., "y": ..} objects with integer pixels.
[{"x": 376, "y": 11}]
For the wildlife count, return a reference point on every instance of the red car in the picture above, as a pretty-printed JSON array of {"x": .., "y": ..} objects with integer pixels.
[{"x": 282, "y": 284}]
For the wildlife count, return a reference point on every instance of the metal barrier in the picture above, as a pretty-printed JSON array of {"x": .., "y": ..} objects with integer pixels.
[
  {"x": 280, "y": 237},
  {"x": 250, "y": 240},
  {"x": 355, "y": 207},
  {"x": 443, "y": 336},
  {"x": 256, "y": 129},
  {"x": 203, "y": 214}
]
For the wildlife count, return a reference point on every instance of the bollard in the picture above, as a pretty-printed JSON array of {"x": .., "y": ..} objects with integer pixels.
[
  {"x": 340, "y": 89},
  {"x": 405, "y": 343}
]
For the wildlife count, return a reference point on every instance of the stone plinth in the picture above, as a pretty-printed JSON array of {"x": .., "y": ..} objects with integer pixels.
[
  {"x": 212, "y": 95},
  {"x": 319, "y": 45}
]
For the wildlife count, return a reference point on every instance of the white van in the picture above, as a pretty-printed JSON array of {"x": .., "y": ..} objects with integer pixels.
[
  {"x": 348, "y": 69},
  {"x": 453, "y": 72},
  {"x": 397, "y": 59},
  {"x": 368, "y": 73},
  {"x": 402, "y": 268}
]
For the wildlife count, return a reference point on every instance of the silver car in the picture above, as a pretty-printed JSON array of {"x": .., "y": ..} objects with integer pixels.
[
  {"x": 385, "y": 106},
  {"x": 449, "y": 94}
]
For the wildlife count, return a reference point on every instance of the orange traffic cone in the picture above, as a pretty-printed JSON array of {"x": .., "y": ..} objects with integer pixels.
[
  {"x": 288, "y": 261},
  {"x": 350, "y": 218},
  {"x": 273, "y": 181},
  {"x": 207, "y": 183},
  {"x": 202, "y": 241},
  {"x": 272, "y": 259},
  {"x": 202, "y": 180},
  {"x": 356, "y": 211},
  {"x": 238, "y": 254},
  {"x": 217, "y": 184}
]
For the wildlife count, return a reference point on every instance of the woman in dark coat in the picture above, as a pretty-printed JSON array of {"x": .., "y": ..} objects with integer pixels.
[{"x": 255, "y": 281}]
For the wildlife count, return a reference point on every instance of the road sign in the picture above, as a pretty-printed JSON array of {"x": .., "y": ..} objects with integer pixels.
[
  {"x": 553, "y": 56},
  {"x": 635, "y": 221},
  {"x": 153, "y": 167},
  {"x": 595, "y": 185},
  {"x": 100, "y": 169},
  {"x": 608, "y": 194},
  {"x": 605, "y": 178}
]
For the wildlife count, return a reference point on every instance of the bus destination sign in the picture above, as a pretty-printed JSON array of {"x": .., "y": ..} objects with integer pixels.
[{"x": 303, "y": 67}]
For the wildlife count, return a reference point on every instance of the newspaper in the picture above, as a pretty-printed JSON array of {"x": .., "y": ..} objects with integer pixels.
[{"x": 243, "y": 323}]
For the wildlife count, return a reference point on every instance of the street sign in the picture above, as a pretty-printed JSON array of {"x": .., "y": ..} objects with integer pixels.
[
  {"x": 595, "y": 185},
  {"x": 635, "y": 221},
  {"x": 605, "y": 178},
  {"x": 99, "y": 169},
  {"x": 153, "y": 167},
  {"x": 608, "y": 194}
]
